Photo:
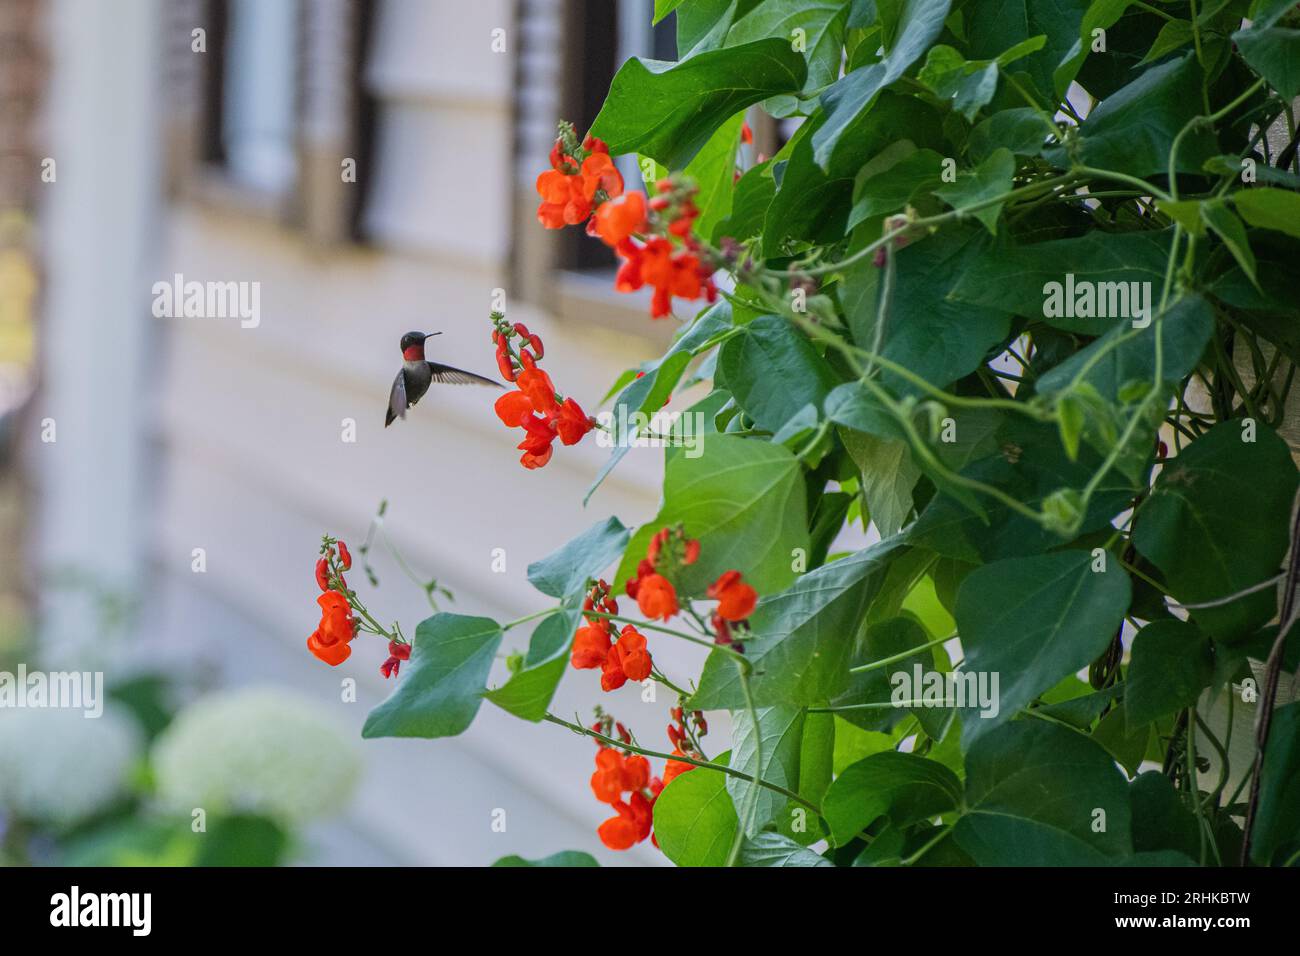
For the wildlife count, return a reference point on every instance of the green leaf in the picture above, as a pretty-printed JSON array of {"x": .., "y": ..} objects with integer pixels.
[
  {"x": 849, "y": 99},
  {"x": 648, "y": 393},
  {"x": 822, "y": 23},
  {"x": 990, "y": 179},
  {"x": 713, "y": 170},
  {"x": 564, "y": 858},
  {"x": 1172, "y": 662},
  {"x": 528, "y": 693},
  {"x": 890, "y": 190},
  {"x": 1274, "y": 54},
  {"x": 1174, "y": 34},
  {"x": 802, "y": 636},
  {"x": 694, "y": 818},
  {"x": 1017, "y": 278},
  {"x": 665, "y": 7},
  {"x": 750, "y": 201},
  {"x": 440, "y": 690},
  {"x": 813, "y": 202},
  {"x": 1214, "y": 524},
  {"x": 773, "y": 849},
  {"x": 902, "y": 786},
  {"x": 1034, "y": 621},
  {"x": 888, "y": 475},
  {"x": 1277, "y": 822},
  {"x": 668, "y": 111},
  {"x": 967, "y": 86},
  {"x": 565, "y": 572},
  {"x": 1161, "y": 820},
  {"x": 781, "y": 731},
  {"x": 1265, "y": 208},
  {"x": 936, "y": 338},
  {"x": 888, "y": 638},
  {"x": 1108, "y": 367},
  {"x": 1225, "y": 224},
  {"x": 1123, "y": 739},
  {"x": 744, "y": 501},
  {"x": 768, "y": 351},
  {"x": 1020, "y": 130},
  {"x": 1002, "y": 26},
  {"x": 1033, "y": 792},
  {"x": 1131, "y": 131}
]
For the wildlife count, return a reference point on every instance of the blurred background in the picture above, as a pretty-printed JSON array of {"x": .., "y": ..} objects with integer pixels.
[{"x": 367, "y": 167}]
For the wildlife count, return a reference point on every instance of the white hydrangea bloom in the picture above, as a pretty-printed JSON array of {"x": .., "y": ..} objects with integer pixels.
[
  {"x": 58, "y": 766},
  {"x": 259, "y": 750}
]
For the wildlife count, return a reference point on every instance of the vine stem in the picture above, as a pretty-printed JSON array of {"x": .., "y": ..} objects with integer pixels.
[
  {"x": 646, "y": 752},
  {"x": 900, "y": 656}
]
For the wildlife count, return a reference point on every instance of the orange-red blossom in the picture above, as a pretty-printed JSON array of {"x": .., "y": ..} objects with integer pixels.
[{"x": 543, "y": 416}]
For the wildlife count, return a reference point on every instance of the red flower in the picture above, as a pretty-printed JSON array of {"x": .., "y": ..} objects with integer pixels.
[
  {"x": 571, "y": 422},
  {"x": 330, "y": 641},
  {"x": 396, "y": 654},
  {"x": 568, "y": 192},
  {"x": 746, "y": 134},
  {"x": 618, "y": 220},
  {"x": 591, "y": 645},
  {"x": 735, "y": 598},
  {"x": 675, "y": 768},
  {"x": 633, "y": 657},
  {"x": 620, "y": 832},
  {"x": 670, "y": 274},
  {"x": 611, "y": 673},
  {"x": 323, "y": 574},
  {"x": 536, "y": 408},
  {"x": 656, "y": 597}
]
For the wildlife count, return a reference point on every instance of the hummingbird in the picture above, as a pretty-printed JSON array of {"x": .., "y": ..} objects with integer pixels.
[{"x": 416, "y": 375}]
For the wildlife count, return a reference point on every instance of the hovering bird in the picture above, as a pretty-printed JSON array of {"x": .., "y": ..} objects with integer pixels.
[{"x": 416, "y": 374}]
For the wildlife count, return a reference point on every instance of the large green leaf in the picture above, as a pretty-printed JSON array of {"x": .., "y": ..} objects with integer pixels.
[
  {"x": 713, "y": 170},
  {"x": 822, "y": 36},
  {"x": 1277, "y": 823},
  {"x": 440, "y": 689},
  {"x": 1266, "y": 208},
  {"x": 528, "y": 692},
  {"x": 1131, "y": 131},
  {"x": 694, "y": 818},
  {"x": 566, "y": 571},
  {"x": 803, "y": 636},
  {"x": 934, "y": 337},
  {"x": 744, "y": 501},
  {"x": 888, "y": 475},
  {"x": 780, "y": 729},
  {"x": 1172, "y": 662},
  {"x": 990, "y": 179},
  {"x": 902, "y": 786},
  {"x": 1033, "y": 621},
  {"x": 668, "y": 111},
  {"x": 1000, "y": 25},
  {"x": 767, "y": 351},
  {"x": 773, "y": 849},
  {"x": 852, "y": 97},
  {"x": 1108, "y": 367},
  {"x": 658, "y": 378},
  {"x": 1215, "y": 524},
  {"x": 1274, "y": 53},
  {"x": 1014, "y": 278},
  {"x": 1035, "y": 795},
  {"x": 813, "y": 201}
]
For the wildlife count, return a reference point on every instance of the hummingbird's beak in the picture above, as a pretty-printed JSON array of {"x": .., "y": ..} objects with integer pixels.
[{"x": 432, "y": 334}]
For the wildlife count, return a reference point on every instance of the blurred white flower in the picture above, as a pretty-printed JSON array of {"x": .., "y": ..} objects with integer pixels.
[
  {"x": 56, "y": 765},
  {"x": 258, "y": 750}
]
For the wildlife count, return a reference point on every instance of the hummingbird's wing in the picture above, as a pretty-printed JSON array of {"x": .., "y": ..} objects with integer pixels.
[
  {"x": 455, "y": 376},
  {"x": 396, "y": 400}
]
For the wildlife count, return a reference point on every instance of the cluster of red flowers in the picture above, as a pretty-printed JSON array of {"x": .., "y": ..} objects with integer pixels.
[
  {"x": 654, "y": 594},
  {"x": 736, "y": 601},
  {"x": 594, "y": 645},
  {"x": 583, "y": 182},
  {"x": 581, "y": 178},
  {"x": 618, "y": 773},
  {"x": 332, "y": 639},
  {"x": 534, "y": 406}
]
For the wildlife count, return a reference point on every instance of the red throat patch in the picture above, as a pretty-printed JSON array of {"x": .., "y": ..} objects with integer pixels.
[{"x": 414, "y": 354}]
